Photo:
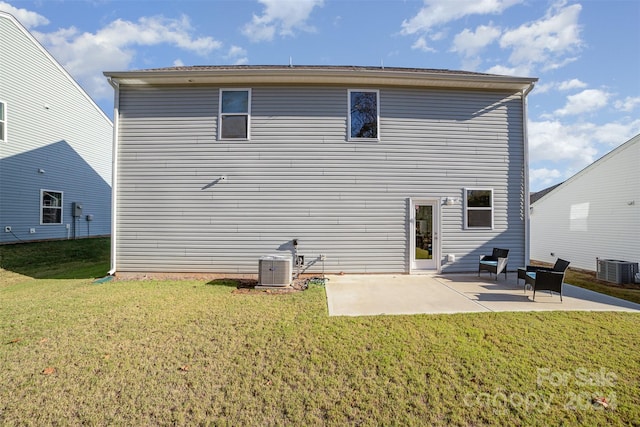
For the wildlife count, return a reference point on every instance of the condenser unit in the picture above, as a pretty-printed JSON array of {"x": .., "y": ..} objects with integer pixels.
[
  {"x": 274, "y": 270},
  {"x": 615, "y": 271}
]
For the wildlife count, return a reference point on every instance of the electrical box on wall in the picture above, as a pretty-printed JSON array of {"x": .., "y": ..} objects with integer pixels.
[{"x": 76, "y": 209}]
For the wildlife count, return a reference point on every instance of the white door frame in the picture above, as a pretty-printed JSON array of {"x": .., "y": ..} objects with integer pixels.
[{"x": 434, "y": 265}]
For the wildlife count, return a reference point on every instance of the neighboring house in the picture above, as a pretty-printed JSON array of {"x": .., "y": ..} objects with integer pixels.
[
  {"x": 534, "y": 197},
  {"x": 366, "y": 169},
  {"x": 55, "y": 147},
  {"x": 594, "y": 214}
]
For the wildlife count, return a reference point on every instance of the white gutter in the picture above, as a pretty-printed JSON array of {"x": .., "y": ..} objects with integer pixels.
[
  {"x": 525, "y": 137},
  {"x": 318, "y": 75},
  {"x": 114, "y": 178}
]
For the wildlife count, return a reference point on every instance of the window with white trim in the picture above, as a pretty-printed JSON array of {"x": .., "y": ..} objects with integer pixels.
[
  {"x": 363, "y": 115},
  {"x": 3, "y": 121},
  {"x": 478, "y": 203},
  {"x": 50, "y": 207},
  {"x": 235, "y": 114}
]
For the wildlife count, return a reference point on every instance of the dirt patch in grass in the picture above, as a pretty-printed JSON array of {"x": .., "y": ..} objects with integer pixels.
[{"x": 243, "y": 283}]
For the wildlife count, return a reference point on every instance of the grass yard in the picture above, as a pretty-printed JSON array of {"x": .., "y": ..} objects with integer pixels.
[{"x": 190, "y": 352}]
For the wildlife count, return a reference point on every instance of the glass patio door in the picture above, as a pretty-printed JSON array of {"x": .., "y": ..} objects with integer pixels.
[{"x": 425, "y": 236}]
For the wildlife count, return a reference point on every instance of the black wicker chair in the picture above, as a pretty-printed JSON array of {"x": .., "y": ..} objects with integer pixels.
[
  {"x": 495, "y": 263},
  {"x": 546, "y": 278}
]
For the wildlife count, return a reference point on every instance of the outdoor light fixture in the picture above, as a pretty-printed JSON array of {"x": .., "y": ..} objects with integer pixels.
[{"x": 450, "y": 201}]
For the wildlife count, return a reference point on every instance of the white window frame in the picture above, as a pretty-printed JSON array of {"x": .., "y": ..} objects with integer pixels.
[
  {"x": 3, "y": 121},
  {"x": 42, "y": 207},
  {"x": 247, "y": 114},
  {"x": 467, "y": 208},
  {"x": 349, "y": 137}
]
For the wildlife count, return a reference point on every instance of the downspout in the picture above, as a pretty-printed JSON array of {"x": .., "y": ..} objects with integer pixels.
[
  {"x": 525, "y": 134},
  {"x": 114, "y": 176}
]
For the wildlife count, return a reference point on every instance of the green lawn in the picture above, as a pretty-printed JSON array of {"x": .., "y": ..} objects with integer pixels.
[{"x": 190, "y": 352}]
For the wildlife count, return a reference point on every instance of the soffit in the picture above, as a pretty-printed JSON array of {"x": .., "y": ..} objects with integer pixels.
[{"x": 350, "y": 76}]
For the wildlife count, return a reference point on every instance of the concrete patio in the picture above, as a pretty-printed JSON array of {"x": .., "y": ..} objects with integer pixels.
[{"x": 375, "y": 294}]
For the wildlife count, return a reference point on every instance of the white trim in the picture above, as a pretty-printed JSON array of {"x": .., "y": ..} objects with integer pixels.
[
  {"x": 527, "y": 213},
  {"x": 42, "y": 191},
  {"x": 466, "y": 208},
  {"x": 436, "y": 245},
  {"x": 3, "y": 119},
  {"x": 301, "y": 75},
  {"x": 114, "y": 175},
  {"x": 247, "y": 114},
  {"x": 349, "y": 137}
]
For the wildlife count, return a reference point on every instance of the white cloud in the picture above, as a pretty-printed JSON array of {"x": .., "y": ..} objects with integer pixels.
[
  {"x": 572, "y": 84},
  {"x": 470, "y": 43},
  {"x": 439, "y": 12},
  {"x": 548, "y": 43},
  {"x": 552, "y": 64},
  {"x": 543, "y": 88},
  {"x": 569, "y": 148},
  {"x": 558, "y": 150},
  {"x": 543, "y": 177},
  {"x": 178, "y": 63},
  {"x": 423, "y": 45},
  {"x": 628, "y": 104},
  {"x": 27, "y": 18},
  {"x": 86, "y": 55},
  {"x": 237, "y": 55},
  {"x": 615, "y": 133},
  {"x": 545, "y": 41},
  {"x": 553, "y": 141},
  {"x": 281, "y": 17},
  {"x": 584, "y": 102},
  {"x": 522, "y": 70}
]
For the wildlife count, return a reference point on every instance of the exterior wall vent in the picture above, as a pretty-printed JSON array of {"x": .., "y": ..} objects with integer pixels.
[
  {"x": 615, "y": 271},
  {"x": 274, "y": 270}
]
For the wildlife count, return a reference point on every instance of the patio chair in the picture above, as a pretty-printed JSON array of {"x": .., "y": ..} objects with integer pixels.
[
  {"x": 546, "y": 278},
  {"x": 495, "y": 263}
]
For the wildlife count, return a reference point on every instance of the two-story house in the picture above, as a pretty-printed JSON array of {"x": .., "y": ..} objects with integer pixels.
[{"x": 357, "y": 169}]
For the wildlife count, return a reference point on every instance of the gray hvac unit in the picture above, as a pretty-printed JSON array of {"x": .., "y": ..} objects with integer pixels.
[
  {"x": 274, "y": 270},
  {"x": 615, "y": 271}
]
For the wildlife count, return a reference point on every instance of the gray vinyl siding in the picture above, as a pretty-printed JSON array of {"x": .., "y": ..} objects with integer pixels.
[
  {"x": 298, "y": 177},
  {"x": 53, "y": 126}
]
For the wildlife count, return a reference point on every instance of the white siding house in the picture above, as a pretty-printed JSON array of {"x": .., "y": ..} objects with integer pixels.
[
  {"x": 594, "y": 214},
  {"x": 367, "y": 169},
  {"x": 55, "y": 146}
]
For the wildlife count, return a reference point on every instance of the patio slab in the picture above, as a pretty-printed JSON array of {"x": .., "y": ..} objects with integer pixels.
[{"x": 376, "y": 294}]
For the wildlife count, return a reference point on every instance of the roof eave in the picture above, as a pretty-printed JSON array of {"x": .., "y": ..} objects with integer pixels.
[{"x": 291, "y": 76}]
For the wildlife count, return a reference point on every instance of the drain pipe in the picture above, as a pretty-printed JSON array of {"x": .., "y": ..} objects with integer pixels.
[
  {"x": 114, "y": 176},
  {"x": 295, "y": 257},
  {"x": 525, "y": 137}
]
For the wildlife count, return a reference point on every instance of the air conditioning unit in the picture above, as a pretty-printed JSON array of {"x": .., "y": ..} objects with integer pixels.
[
  {"x": 615, "y": 271},
  {"x": 274, "y": 270}
]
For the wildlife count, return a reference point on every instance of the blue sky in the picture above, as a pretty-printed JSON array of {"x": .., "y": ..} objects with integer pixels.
[{"x": 585, "y": 53}]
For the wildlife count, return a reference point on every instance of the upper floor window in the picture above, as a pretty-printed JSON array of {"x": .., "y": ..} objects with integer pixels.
[
  {"x": 478, "y": 204},
  {"x": 235, "y": 112},
  {"x": 3, "y": 121},
  {"x": 50, "y": 207},
  {"x": 363, "y": 114}
]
